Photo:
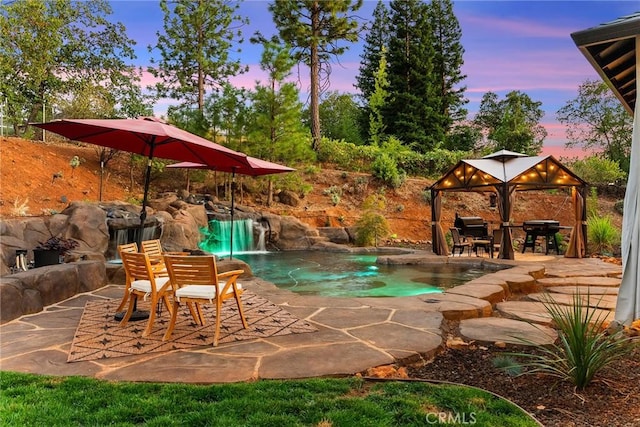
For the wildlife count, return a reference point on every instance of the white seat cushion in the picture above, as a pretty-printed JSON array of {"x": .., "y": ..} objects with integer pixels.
[
  {"x": 145, "y": 285},
  {"x": 207, "y": 292}
]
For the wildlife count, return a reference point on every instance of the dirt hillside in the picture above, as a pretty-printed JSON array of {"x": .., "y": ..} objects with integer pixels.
[{"x": 37, "y": 179}]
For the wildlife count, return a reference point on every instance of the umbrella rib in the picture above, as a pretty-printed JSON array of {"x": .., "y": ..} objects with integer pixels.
[{"x": 230, "y": 156}]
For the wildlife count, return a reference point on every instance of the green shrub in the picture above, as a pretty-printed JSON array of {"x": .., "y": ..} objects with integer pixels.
[
  {"x": 293, "y": 182},
  {"x": 370, "y": 228},
  {"x": 386, "y": 170},
  {"x": 361, "y": 184},
  {"x": 592, "y": 202},
  {"x": 335, "y": 193},
  {"x": 582, "y": 348},
  {"x": 358, "y": 158},
  {"x": 311, "y": 170},
  {"x": 598, "y": 170},
  {"x": 601, "y": 233},
  {"x": 508, "y": 364},
  {"x": 426, "y": 196}
]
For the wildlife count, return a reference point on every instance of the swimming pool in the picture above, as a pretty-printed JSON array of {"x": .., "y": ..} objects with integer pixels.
[{"x": 354, "y": 275}]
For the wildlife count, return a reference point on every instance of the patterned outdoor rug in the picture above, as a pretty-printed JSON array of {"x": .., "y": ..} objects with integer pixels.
[{"x": 100, "y": 336}]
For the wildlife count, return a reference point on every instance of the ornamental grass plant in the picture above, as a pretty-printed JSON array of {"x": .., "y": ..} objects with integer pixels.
[{"x": 583, "y": 348}]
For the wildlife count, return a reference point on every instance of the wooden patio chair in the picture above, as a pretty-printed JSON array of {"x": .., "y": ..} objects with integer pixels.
[
  {"x": 144, "y": 283},
  {"x": 459, "y": 242},
  {"x": 128, "y": 247},
  {"x": 153, "y": 248},
  {"x": 196, "y": 280}
]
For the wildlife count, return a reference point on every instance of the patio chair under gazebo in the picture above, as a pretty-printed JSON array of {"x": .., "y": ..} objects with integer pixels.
[{"x": 505, "y": 172}]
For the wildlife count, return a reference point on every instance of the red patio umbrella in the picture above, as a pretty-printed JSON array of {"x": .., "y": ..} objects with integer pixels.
[
  {"x": 148, "y": 137},
  {"x": 253, "y": 167}
]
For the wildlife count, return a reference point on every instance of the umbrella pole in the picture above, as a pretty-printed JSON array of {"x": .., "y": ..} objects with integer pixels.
[
  {"x": 141, "y": 315},
  {"x": 233, "y": 184},
  {"x": 143, "y": 213}
]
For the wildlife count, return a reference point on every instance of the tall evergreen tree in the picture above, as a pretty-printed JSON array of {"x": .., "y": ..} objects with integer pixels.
[
  {"x": 377, "y": 101},
  {"x": 316, "y": 29},
  {"x": 194, "y": 49},
  {"x": 413, "y": 111},
  {"x": 376, "y": 39},
  {"x": 447, "y": 62},
  {"x": 277, "y": 133}
]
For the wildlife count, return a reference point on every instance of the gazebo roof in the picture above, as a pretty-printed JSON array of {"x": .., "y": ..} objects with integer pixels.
[
  {"x": 611, "y": 50},
  {"x": 516, "y": 169}
]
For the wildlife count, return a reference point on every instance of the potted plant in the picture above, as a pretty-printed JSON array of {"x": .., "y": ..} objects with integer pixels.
[{"x": 52, "y": 251}]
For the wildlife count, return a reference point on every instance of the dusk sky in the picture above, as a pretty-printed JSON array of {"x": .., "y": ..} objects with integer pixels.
[{"x": 509, "y": 45}]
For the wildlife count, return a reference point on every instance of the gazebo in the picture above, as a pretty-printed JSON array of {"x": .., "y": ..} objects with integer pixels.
[{"x": 503, "y": 173}]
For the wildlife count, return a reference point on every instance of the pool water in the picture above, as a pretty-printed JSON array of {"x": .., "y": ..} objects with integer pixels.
[{"x": 350, "y": 275}]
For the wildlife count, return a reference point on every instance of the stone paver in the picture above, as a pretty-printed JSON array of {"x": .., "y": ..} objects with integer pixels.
[
  {"x": 353, "y": 334},
  {"x": 333, "y": 359},
  {"x": 487, "y": 292},
  {"x": 457, "y": 307},
  {"x": 580, "y": 281},
  {"x": 495, "y": 329},
  {"x": 529, "y": 311},
  {"x": 518, "y": 282},
  {"x": 583, "y": 290},
  {"x": 597, "y": 301}
]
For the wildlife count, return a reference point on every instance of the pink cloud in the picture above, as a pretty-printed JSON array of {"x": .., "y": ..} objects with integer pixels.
[
  {"x": 517, "y": 27},
  {"x": 567, "y": 153}
]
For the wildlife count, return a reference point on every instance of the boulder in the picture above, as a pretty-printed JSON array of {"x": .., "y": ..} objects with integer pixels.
[
  {"x": 182, "y": 232},
  {"x": 289, "y": 198},
  {"x": 87, "y": 224},
  {"x": 163, "y": 202},
  {"x": 295, "y": 235},
  {"x": 11, "y": 291},
  {"x": 334, "y": 234}
]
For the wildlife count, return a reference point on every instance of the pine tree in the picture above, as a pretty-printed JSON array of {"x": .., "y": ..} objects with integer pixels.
[
  {"x": 412, "y": 113},
  {"x": 315, "y": 30},
  {"x": 447, "y": 62},
  {"x": 194, "y": 49},
  {"x": 377, "y": 38},
  {"x": 277, "y": 134},
  {"x": 377, "y": 101}
]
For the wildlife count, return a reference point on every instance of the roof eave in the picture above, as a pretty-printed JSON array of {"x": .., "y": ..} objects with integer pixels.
[{"x": 587, "y": 40}]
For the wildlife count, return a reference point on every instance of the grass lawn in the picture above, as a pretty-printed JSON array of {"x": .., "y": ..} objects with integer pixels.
[{"x": 34, "y": 400}]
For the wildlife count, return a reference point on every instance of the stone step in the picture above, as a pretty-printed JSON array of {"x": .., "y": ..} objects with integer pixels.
[
  {"x": 518, "y": 282},
  {"x": 536, "y": 312},
  {"x": 456, "y": 307},
  {"x": 529, "y": 311},
  {"x": 579, "y": 281},
  {"x": 585, "y": 271},
  {"x": 496, "y": 329},
  {"x": 583, "y": 290},
  {"x": 607, "y": 302},
  {"x": 487, "y": 292}
]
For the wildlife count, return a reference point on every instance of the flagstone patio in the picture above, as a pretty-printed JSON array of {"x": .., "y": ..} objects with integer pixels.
[{"x": 352, "y": 334}]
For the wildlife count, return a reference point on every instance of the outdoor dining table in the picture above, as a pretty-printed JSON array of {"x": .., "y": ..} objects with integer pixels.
[{"x": 546, "y": 228}]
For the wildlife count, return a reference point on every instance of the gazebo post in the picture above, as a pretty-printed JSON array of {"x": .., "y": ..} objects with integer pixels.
[
  {"x": 583, "y": 193},
  {"x": 435, "y": 247},
  {"x": 506, "y": 244}
]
